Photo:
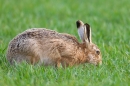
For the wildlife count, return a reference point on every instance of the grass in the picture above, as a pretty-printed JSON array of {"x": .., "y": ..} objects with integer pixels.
[{"x": 110, "y": 31}]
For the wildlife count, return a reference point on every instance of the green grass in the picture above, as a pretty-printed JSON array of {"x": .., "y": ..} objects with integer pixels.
[{"x": 110, "y": 24}]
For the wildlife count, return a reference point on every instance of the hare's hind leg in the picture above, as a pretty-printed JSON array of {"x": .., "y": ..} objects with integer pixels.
[{"x": 24, "y": 58}]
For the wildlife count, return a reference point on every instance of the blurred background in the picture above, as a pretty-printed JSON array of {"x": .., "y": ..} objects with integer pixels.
[{"x": 109, "y": 20}]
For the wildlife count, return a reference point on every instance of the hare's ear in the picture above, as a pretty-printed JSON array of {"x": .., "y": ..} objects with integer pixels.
[
  {"x": 80, "y": 27},
  {"x": 87, "y": 33}
]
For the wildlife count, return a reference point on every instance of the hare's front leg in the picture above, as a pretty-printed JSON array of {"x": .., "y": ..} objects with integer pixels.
[
  {"x": 58, "y": 63},
  {"x": 57, "y": 58},
  {"x": 50, "y": 57}
]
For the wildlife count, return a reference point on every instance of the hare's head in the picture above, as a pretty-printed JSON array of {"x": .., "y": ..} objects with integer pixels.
[{"x": 92, "y": 52}]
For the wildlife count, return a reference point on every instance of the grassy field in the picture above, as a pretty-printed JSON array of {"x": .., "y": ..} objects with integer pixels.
[{"x": 110, "y": 24}]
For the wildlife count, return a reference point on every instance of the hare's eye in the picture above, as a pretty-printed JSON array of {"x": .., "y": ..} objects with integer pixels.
[{"x": 98, "y": 52}]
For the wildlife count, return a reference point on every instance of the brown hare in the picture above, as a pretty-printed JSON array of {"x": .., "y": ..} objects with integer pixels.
[{"x": 47, "y": 47}]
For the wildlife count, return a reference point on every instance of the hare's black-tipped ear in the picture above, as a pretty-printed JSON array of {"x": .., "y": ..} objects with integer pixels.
[
  {"x": 80, "y": 27},
  {"x": 79, "y": 23},
  {"x": 88, "y": 32}
]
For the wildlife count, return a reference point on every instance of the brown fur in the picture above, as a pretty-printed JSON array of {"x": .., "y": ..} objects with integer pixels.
[{"x": 47, "y": 47}]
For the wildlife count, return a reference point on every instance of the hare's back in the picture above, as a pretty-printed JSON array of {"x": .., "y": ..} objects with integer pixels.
[
  {"x": 43, "y": 34},
  {"x": 39, "y": 33},
  {"x": 34, "y": 35}
]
